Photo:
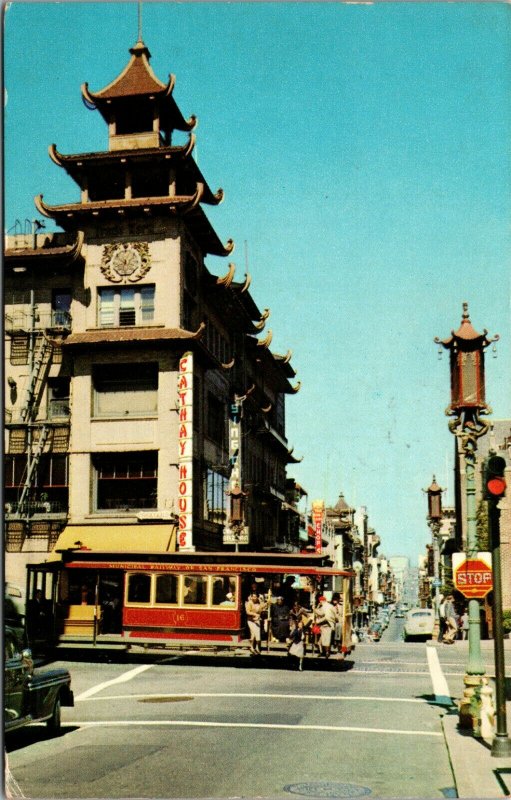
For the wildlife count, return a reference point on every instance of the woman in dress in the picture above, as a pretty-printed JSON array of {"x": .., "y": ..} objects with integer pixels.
[
  {"x": 296, "y": 650},
  {"x": 254, "y": 607}
]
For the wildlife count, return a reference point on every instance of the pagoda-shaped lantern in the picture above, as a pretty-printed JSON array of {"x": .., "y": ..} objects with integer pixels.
[
  {"x": 466, "y": 348},
  {"x": 434, "y": 493},
  {"x": 237, "y": 496},
  {"x": 468, "y": 402}
]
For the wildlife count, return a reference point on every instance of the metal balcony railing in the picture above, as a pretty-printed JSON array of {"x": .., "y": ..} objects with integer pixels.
[
  {"x": 19, "y": 320},
  {"x": 58, "y": 411},
  {"x": 30, "y": 508}
]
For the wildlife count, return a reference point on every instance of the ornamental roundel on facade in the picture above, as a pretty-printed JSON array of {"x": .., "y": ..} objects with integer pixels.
[{"x": 121, "y": 263}]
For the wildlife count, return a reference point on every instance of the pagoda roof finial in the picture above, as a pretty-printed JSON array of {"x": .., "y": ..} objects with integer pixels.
[{"x": 139, "y": 21}]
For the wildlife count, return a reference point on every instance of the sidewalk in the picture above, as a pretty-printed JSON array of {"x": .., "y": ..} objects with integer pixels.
[{"x": 477, "y": 773}]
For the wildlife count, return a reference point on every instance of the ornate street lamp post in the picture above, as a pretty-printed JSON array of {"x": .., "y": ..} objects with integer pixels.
[
  {"x": 434, "y": 493},
  {"x": 466, "y": 349}
]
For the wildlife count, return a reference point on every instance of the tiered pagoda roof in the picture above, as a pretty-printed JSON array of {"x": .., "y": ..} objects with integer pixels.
[
  {"x": 142, "y": 173},
  {"x": 137, "y": 80}
]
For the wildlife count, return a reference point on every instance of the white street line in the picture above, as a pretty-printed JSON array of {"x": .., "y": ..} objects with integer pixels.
[
  {"x": 126, "y": 676},
  {"x": 409, "y": 663},
  {"x": 263, "y": 696},
  {"x": 440, "y": 687},
  {"x": 387, "y": 672},
  {"x": 199, "y": 724}
]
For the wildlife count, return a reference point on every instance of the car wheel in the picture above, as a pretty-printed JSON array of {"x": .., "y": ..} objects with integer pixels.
[{"x": 54, "y": 722}]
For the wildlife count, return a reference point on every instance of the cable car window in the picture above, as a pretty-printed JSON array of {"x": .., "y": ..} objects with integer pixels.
[
  {"x": 10, "y": 648},
  {"x": 166, "y": 589},
  {"x": 139, "y": 588},
  {"x": 195, "y": 591},
  {"x": 224, "y": 591}
]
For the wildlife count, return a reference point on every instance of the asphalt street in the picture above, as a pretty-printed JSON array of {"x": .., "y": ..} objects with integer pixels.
[{"x": 240, "y": 727}]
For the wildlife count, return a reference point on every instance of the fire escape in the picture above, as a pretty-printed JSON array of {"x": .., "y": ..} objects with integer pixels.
[{"x": 35, "y": 338}]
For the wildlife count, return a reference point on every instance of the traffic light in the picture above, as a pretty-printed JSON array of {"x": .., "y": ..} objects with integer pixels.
[{"x": 494, "y": 478}]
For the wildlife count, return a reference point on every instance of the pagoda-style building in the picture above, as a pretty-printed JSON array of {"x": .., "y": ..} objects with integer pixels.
[
  {"x": 129, "y": 364},
  {"x": 341, "y": 517}
]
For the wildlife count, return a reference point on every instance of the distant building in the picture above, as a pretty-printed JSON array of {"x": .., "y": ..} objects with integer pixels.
[{"x": 401, "y": 568}]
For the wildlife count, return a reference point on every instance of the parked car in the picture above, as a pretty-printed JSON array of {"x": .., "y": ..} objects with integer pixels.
[
  {"x": 419, "y": 622},
  {"x": 13, "y": 607},
  {"x": 32, "y": 695}
]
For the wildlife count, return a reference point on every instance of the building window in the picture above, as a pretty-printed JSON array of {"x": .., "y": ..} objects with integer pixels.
[
  {"x": 61, "y": 308},
  {"x": 51, "y": 471},
  {"x": 279, "y": 415},
  {"x": 217, "y": 343},
  {"x": 58, "y": 397},
  {"x": 125, "y": 306},
  {"x": 191, "y": 274},
  {"x": 15, "y": 470},
  {"x": 216, "y": 419},
  {"x": 122, "y": 390},
  {"x": 149, "y": 183},
  {"x": 215, "y": 498},
  {"x": 125, "y": 480},
  {"x": 140, "y": 122},
  {"x": 190, "y": 312},
  {"x": 106, "y": 184}
]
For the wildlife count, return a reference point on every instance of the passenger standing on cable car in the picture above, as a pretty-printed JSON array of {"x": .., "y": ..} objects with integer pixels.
[
  {"x": 254, "y": 607},
  {"x": 298, "y": 614},
  {"x": 338, "y": 608},
  {"x": 324, "y": 616},
  {"x": 280, "y": 620}
]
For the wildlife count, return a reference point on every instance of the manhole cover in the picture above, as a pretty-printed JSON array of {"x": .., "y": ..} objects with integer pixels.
[
  {"x": 325, "y": 789},
  {"x": 164, "y": 699}
]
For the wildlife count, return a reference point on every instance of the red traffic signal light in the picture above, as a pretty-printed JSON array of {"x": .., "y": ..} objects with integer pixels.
[{"x": 495, "y": 480}]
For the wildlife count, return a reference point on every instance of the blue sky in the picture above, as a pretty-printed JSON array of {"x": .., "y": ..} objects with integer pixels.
[{"x": 364, "y": 153}]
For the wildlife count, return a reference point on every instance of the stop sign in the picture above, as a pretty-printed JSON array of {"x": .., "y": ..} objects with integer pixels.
[{"x": 473, "y": 578}]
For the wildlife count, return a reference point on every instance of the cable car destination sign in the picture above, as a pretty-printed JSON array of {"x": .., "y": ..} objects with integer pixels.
[{"x": 473, "y": 577}]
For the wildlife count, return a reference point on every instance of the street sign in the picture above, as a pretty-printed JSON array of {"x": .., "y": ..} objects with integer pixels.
[
  {"x": 236, "y": 537},
  {"x": 473, "y": 576},
  {"x": 436, "y": 583}
]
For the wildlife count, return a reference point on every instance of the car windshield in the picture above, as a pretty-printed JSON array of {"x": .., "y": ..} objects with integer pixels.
[{"x": 421, "y": 614}]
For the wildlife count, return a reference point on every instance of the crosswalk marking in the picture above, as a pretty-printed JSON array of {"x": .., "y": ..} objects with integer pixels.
[
  {"x": 263, "y": 695},
  {"x": 126, "y": 676},
  {"x": 261, "y": 725},
  {"x": 440, "y": 687}
]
